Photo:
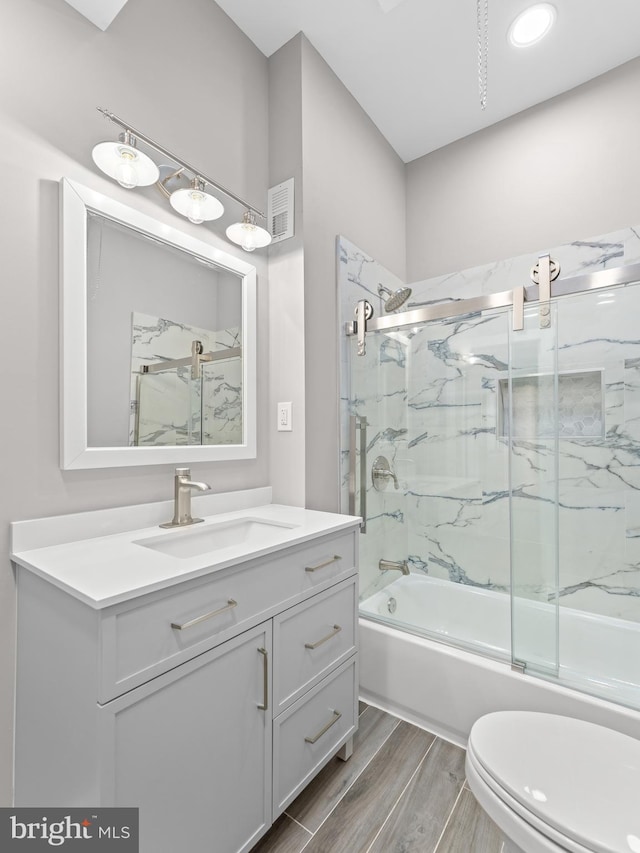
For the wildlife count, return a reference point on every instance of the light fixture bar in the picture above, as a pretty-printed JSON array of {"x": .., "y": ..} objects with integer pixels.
[{"x": 196, "y": 172}]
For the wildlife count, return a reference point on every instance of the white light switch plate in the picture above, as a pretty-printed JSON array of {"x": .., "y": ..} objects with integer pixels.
[{"x": 284, "y": 417}]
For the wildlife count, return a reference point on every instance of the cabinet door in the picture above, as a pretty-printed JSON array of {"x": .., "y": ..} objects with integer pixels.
[{"x": 192, "y": 749}]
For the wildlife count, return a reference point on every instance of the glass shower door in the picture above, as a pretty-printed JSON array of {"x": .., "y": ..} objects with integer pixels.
[
  {"x": 573, "y": 405},
  {"x": 168, "y": 408},
  {"x": 529, "y": 413},
  {"x": 599, "y": 489},
  {"x": 430, "y": 396},
  {"x": 378, "y": 439}
]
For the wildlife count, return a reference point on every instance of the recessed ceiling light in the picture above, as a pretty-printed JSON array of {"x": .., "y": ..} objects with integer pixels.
[{"x": 532, "y": 24}]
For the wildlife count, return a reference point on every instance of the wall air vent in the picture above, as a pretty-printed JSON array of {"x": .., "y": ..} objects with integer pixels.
[{"x": 280, "y": 211}]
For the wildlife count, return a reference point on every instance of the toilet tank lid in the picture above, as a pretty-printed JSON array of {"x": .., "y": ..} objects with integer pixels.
[{"x": 578, "y": 777}]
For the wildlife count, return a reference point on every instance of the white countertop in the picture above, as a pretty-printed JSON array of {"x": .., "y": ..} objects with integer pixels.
[{"x": 102, "y": 570}]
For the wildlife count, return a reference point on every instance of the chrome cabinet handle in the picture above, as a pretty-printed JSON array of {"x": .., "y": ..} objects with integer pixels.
[
  {"x": 322, "y": 565},
  {"x": 265, "y": 661},
  {"x": 228, "y": 606},
  {"x": 336, "y": 630},
  {"x": 332, "y": 722}
]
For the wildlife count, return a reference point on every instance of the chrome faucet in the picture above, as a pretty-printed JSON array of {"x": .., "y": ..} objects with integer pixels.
[
  {"x": 183, "y": 484},
  {"x": 385, "y": 565}
]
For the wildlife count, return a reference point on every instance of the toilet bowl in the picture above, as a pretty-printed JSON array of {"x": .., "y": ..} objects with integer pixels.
[{"x": 555, "y": 784}]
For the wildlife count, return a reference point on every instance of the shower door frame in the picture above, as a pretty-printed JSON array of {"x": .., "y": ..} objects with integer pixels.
[{"x": 516, "y": 298}]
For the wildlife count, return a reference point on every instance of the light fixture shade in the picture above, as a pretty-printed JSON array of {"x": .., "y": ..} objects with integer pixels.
[
  {"x": 532, "y": 25},
  {"x": 125, "y": 164},
  {"x": 196, "y": 204},
  {"x": 247, "y": 234}
]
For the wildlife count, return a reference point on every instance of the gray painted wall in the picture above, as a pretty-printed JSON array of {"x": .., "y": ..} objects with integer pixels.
[
  {"x": 57, "y": 68},
  {"x": 564, "y": 170},
  {"x": 354, "y": 185},
  {"x": 286, "y": 279}
]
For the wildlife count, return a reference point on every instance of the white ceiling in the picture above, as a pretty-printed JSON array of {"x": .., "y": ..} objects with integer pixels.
[
  {"x": 101, "y": 13},
  {"x": 412, "y": 64}
]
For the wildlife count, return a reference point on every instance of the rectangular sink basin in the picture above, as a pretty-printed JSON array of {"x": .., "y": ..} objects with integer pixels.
[{"x": 203, "y": 539}]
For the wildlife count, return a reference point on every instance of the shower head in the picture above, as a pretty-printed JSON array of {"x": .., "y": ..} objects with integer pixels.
[{"x": 394, "y": 300}]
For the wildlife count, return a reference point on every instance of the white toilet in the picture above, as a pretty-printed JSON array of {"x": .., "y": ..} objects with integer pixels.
[{"x": 554, "y": 784}]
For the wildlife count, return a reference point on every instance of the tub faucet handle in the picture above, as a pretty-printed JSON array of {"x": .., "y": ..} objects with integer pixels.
[{"x": 381, "y": 473}]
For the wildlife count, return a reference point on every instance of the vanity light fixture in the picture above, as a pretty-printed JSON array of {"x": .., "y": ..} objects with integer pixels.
[
  {"x": 532, "y": 25},
  {"x": 131, "y": 168},
  {"x": 124, "y": 163},
  {"x": 247, "y": 234},
  {"x": 196, "y": 204}
]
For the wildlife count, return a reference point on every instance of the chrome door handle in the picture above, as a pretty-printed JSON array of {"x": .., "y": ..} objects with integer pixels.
[
  {"x": 336, "y": 630},
  {"x": 265, "y": 672},
  {"x": 228, "y": 606},
  {"x": 332, "y": 722},
  {"x": 334, "y": 559},
  {"x": 358, "y": 424}
]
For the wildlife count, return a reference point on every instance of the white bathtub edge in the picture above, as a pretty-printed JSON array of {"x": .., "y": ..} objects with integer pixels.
[
  {"x": 408, "y": 716},
  {"x": 445, "y": 690}
]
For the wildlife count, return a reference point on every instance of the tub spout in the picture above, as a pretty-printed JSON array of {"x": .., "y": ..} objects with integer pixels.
[{"x": 385, "y": 565}]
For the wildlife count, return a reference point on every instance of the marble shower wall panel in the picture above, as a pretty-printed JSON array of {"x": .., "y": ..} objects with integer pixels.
[
  {"x": 358, "y": 278},
  {"x": 460, "y": 471},
  {"x": 603, "y": 252},
  {"x": 454, "y": 465},
  {"x": 381, "y": 399},
  {"x": 222, "y": 399},
  {"x": 377, "y": 391},
  {"x": 598, "y": 482}
]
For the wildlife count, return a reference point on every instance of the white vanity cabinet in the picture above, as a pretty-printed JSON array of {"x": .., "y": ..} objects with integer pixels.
[
  {"x": 209, "y": 703},
  {"x": 192, "y": 749}
]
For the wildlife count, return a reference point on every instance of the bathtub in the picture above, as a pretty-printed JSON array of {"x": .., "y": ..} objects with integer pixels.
[{"x": 421, "y": 677}]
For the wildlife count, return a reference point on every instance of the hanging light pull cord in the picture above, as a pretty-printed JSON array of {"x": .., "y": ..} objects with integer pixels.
[{"x": 482, "y": 16}]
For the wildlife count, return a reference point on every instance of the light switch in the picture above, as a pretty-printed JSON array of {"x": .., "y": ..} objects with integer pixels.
[{"x": 284, "y": 417}]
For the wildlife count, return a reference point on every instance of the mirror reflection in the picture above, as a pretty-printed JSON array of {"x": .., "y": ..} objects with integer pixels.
[{"x": 164, "y": 343}]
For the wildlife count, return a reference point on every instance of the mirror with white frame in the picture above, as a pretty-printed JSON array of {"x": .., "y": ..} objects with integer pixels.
[{"x": 158, "y": 334}]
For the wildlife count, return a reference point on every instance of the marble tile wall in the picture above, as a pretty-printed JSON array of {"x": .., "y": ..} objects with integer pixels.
[
  {"x": 467, "y": 509},
  {"x": 170, "y": 408}
]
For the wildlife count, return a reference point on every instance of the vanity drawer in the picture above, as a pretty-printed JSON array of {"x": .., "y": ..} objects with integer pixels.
[
  {"x": 146, "y": 637},
  {"x": 311, "y": 731},
  {"x": 311, "y": 639}
]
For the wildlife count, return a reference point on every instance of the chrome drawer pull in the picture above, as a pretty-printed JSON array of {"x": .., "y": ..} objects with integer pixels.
[
  {"x": 336, "y": 717},
  {"x": 265, "y": 661},
  {"x": 228, "y": 606},
  {"x": 322, "y": 565},
  {"x": 336, "y": 630}
]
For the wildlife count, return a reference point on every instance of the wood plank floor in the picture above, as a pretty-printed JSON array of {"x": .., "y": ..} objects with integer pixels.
[{"x": 402, "y": 791}]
